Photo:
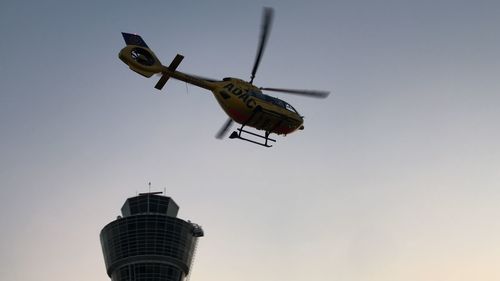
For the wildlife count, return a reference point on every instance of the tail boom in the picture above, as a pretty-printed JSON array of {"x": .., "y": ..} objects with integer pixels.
[{"x": 143, "y": 61}]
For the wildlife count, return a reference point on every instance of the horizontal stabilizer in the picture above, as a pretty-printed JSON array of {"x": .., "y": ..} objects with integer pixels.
[{"x": 172, "y": 67}]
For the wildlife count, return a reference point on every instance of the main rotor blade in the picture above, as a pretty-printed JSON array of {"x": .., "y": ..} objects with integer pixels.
[
  {"x": 309, "y": 93},
  {"x": 222, "y": 132},
  {"x": 267, "y": 19}
]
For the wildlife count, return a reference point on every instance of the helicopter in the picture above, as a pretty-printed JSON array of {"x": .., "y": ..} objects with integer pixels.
[{"x": 241, "y": 100}]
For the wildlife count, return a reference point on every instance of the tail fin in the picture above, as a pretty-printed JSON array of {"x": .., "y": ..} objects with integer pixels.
[
  {"x": 134, "y": 39},
  {"x": 138, "y": 56}
]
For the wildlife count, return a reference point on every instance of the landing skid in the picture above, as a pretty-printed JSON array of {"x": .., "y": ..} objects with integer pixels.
[{"x": 237, "y": 135}]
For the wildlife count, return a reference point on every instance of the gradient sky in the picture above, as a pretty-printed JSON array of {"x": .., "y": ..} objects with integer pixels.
[{"x": 395, "y": 177}]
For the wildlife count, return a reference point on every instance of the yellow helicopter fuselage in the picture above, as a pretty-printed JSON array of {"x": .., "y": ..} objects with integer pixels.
[{"x": 246, "y": 104}]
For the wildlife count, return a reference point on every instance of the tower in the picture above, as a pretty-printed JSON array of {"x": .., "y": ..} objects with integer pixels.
[{"x": 149, "y": 242}]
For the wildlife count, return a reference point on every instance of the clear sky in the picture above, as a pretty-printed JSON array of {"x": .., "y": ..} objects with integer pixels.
[{"x": 395, "y": 177}]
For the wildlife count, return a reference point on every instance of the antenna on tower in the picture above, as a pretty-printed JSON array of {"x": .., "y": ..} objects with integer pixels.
[{"x": 149, "y": 192}]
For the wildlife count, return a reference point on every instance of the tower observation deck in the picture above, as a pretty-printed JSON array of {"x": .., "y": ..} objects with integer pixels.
[{"x": 149, "y": 242}]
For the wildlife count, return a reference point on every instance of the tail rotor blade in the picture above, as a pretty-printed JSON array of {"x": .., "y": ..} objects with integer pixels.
[
  {"x": 264, "y": 35},
  {"x": 223, "y": 131}
]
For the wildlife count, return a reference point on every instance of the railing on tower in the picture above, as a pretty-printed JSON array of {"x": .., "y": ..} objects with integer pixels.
[{"x": 197, "y": 232}]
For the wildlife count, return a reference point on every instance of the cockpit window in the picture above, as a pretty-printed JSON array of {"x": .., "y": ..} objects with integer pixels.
[{"x": 273, "y": 100}]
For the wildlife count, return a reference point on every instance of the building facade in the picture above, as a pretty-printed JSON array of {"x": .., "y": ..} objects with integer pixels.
[{"x": 148, "y": 242}]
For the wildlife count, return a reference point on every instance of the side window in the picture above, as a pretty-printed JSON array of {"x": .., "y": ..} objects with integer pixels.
[
  {"x": 257, "y": 95},
  {"x": 290, "y": 108},
  {"x": 279, "y": 103}
]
